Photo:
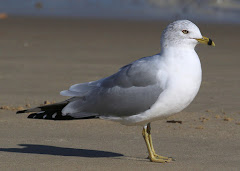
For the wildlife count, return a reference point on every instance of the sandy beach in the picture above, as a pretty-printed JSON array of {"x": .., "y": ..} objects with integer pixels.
[{"x": 40, "y": 57}]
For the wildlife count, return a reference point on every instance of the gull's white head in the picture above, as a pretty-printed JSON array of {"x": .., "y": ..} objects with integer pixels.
[{"x": 183, "y": 33}]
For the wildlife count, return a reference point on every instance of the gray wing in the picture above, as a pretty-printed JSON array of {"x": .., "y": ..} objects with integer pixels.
[{"x": 132, "y": 90}]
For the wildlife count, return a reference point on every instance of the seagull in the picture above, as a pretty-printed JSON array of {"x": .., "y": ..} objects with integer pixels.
[{"x": 148, "y": 89}]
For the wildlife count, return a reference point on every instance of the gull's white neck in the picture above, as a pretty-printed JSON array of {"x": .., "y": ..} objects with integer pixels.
[
  {"x": 181, "y": 60},
  {"x": 177, "y": 49}
]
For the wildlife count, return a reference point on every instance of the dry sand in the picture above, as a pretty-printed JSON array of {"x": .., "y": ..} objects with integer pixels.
[{"x": 40, "y": 57}]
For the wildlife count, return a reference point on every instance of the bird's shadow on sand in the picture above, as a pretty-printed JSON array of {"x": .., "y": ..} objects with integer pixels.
[{"x": 60, "y": 151}]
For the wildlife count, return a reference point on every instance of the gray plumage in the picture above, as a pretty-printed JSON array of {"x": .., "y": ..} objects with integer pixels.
[{"x": 132, "y": 90}]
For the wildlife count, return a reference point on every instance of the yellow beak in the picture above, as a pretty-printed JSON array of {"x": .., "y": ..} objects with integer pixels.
[{"x": 206, "y": 41}]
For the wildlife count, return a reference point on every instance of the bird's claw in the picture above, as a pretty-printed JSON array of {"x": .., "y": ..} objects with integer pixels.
[{"x": 161, "y": 159}]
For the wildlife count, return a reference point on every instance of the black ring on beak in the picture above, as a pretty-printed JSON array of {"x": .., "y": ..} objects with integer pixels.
[{"x": 210, "y": 42}]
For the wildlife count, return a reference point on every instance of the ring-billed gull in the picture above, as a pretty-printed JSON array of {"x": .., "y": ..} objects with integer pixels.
[{"x": 143, "y": 91}]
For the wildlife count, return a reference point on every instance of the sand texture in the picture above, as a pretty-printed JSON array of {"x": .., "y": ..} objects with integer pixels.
[{"x": 40, "y": 57}]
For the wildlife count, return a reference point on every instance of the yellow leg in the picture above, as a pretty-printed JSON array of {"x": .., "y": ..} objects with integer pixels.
[
  {"x": 151, "y": 145},
  {"x": 148, "y": 140}
]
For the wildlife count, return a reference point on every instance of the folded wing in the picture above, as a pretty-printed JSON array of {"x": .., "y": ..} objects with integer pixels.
[{"x": 130, "y": 91}]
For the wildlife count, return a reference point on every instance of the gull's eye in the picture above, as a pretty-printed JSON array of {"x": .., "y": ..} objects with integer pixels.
[{"x": 185, "y": 31}]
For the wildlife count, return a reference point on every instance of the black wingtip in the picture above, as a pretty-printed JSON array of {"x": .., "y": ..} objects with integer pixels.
[
  {"x": 21, "y": 111},
  {"x": 49, "y": 117}
]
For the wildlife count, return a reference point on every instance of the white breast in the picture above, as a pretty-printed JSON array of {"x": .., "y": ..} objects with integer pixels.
[{"x": 180, "y": 79}]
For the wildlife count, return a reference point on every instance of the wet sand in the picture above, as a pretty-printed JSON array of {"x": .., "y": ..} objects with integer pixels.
[{"x": 40, "y": 57}]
